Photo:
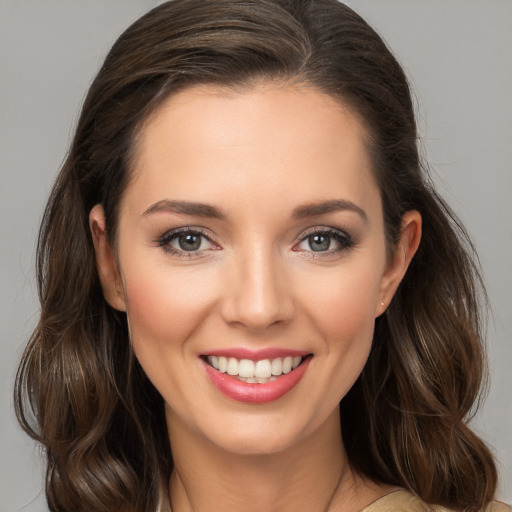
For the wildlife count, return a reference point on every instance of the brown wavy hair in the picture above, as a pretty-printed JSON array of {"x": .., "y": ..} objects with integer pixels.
[{"x": 80, "y": 391}]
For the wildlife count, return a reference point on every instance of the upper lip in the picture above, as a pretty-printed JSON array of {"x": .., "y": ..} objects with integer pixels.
[{"x": 255, "y": 355}]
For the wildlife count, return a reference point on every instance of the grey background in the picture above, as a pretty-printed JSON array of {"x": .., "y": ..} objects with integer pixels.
[{"x": 458, "y": 54}]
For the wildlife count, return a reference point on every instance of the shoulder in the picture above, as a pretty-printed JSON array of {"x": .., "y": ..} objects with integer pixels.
[
  {"x": 403, "y": 501},
  {"x": 498, "y": 506}
]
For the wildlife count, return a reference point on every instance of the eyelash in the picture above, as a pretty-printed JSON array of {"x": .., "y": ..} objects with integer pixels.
[
  {"x": 343, "y": 239},
  {"x": 165, "y": 241}
]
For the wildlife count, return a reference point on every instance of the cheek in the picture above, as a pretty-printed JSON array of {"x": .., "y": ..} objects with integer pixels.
[
  {"x": 165, "y": 307},
  {"x": 347, "y": 327},
  {"x": 342, "y": 303}
]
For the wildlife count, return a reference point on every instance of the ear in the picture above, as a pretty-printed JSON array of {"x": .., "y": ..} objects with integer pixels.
[
  {"x": 410, "y": 236},
  {"x": 105, "y": 260}
]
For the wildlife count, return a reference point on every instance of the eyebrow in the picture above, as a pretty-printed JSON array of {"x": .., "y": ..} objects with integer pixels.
[
  {"x": 207, "y": 210},
  {"x": 186, "y": 208},
  {"x": 324, "y": 207}
]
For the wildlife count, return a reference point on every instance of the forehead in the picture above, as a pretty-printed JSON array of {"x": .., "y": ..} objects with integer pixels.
[{"x": 251, "y": 142}]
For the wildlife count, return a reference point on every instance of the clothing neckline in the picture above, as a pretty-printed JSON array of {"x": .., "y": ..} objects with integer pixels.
[{"x": 392, "y": 491}]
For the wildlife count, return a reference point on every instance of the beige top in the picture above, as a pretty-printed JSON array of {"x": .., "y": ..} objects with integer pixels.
[{"x": 403, "y": 501}]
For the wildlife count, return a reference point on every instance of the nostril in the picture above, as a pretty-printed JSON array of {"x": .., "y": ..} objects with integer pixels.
[{"x": 258, "y": 316}]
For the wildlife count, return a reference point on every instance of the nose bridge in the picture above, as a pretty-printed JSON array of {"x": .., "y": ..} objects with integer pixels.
[{"x": 258, "y": 295}]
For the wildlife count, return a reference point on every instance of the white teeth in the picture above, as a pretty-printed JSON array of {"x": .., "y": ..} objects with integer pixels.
[
  {"x": 255, "y": 380},
  {"x": 246, "y": 368},
  {"x": 232, "y": 366},
  {"x": 223, "y": 364},
  {"x": 262, "y": 371},
  {"x": 277, "y": 366}
]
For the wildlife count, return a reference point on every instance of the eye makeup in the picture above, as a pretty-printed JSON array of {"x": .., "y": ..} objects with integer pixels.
[
  {"x": 323, "y": 241},
  {"x": 186, "y": 242},
  {"x": 317, "y": 242}
]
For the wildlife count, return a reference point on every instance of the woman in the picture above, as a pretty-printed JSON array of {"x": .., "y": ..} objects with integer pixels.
[{"x": 251, "y": 296}]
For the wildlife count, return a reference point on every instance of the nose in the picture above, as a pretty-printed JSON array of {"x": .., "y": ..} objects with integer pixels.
[{"x": 258, "y": 293}]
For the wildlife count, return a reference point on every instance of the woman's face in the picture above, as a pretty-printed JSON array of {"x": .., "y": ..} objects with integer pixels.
[{"x": 252, "y": 232}]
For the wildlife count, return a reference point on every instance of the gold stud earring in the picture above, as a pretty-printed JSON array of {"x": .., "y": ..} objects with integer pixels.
[{"x": 382, "y": 303}]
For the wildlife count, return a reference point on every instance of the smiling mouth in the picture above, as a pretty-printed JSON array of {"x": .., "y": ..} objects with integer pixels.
[{"x": 255, "y": 372}]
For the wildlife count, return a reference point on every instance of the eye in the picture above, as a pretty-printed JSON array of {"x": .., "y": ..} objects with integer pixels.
[
  {"x": 319, "y": 242},
  {"x": 186, "y": 242},
  {"x": 325, "y": 240}
]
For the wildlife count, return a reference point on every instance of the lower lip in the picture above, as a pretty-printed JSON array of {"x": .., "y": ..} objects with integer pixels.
[{"x": 256, "y": 393}]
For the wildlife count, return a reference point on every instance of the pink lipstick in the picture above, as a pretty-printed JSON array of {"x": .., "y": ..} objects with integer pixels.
[{"x": 252, "y": 393}]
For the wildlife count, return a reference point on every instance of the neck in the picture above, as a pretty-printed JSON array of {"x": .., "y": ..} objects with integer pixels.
[{"x": 312, "y": 475}]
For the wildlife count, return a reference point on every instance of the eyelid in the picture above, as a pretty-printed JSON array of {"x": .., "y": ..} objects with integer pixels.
[
  {"x": 345, "y": 240},
  {"x": 164, "y": 240},
  {"x": 329, "y": 230}
]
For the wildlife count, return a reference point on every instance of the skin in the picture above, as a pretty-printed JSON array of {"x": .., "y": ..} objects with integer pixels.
[{"x": 256, "y": 155}]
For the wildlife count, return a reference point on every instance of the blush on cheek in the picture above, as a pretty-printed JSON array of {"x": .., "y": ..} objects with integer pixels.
[
  {"x": 164, "y": 309},
  {"x": 345, "y": 306},
  {"x": 159, "y": 325}
]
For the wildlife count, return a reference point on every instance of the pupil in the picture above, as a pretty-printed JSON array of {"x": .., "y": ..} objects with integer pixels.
[
  {"x": 319, "y": 242},
  {"x": 189, "y": 242}
]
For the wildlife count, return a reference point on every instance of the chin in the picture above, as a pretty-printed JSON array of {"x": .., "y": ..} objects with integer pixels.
[
  {"x": 261, "y": 434},
  {"x": 258, "y": 445}
]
